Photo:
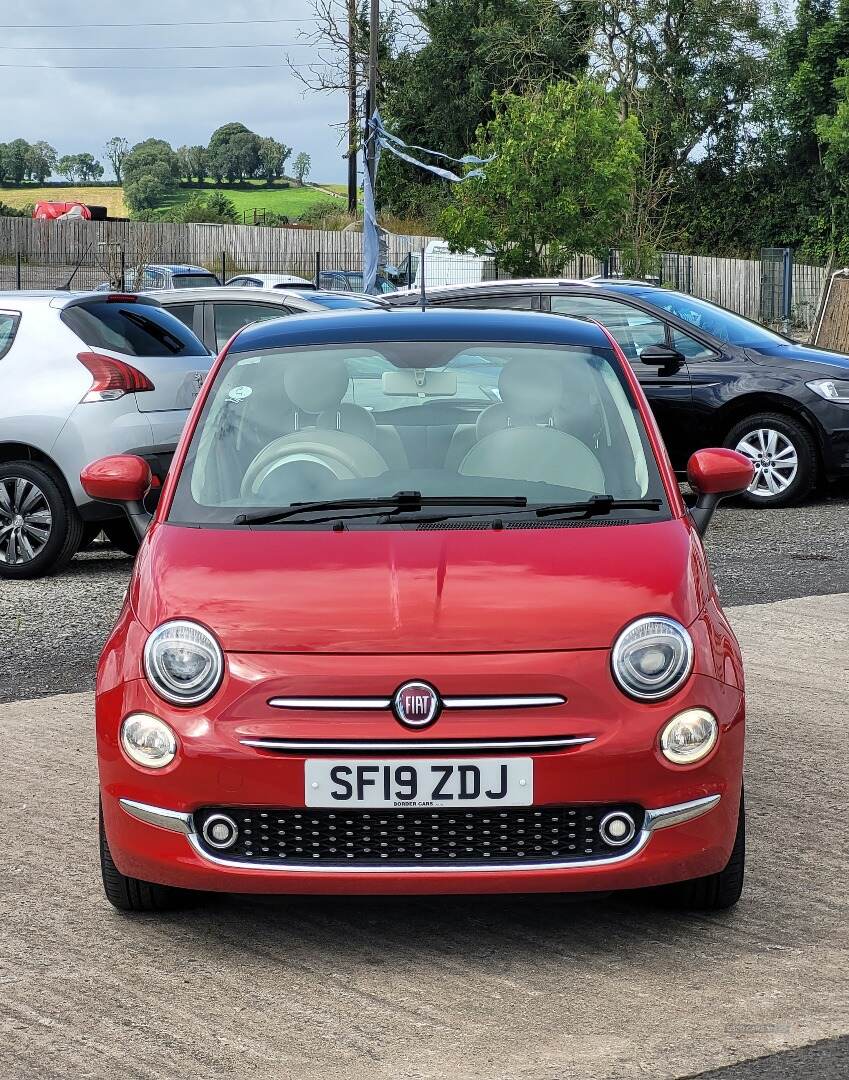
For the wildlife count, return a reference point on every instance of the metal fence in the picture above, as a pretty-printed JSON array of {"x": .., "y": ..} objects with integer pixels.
[{"x": 83, "y": 255}]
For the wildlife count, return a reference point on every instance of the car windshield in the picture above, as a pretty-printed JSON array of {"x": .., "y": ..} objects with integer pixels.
[
  {"x": 194, "y": 281},
  {"x": 459, "y": 420},
  {"x": 716, "y": 321}
]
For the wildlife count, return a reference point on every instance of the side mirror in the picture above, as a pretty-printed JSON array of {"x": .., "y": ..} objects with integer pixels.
[
  {"x": 124, "y": 479},
  {"x": 715, "y": 475},
  {"x": 662, "y": 356}
]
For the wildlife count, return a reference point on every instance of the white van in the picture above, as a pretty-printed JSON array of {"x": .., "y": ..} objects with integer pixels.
[{"x": 444, "y": 267}]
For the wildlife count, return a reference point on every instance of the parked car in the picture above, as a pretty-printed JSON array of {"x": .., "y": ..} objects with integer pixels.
[
  {"x": 463, "y": 641},
  {"x": 711, "y": 377},
  {"x": 81, "y": 375},
  {"x": 164, "y": 276},
  {"x": 270, "y": 281},
  {"x": 351, "y": 281},
  {"x": 214, "y": 315}
]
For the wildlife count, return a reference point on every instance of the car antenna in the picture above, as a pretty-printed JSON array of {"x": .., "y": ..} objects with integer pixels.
[{"x": 422, "y": 273}]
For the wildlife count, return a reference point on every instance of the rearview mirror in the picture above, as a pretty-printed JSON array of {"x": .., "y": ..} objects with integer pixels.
[
  {"x": 714, "y": 475},
  {"x": 123, "y": 479},
  {"x": 661, "y": 356}
]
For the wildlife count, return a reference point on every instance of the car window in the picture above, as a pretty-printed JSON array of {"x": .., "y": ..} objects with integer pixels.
[
  {"x": 633, "y": 329},
  {"x": 689, "y": 347},
  {"x": 135, "y": 329},
  {"x": 230, "y": 317},
  {"x": 185, "y": 313},
  {"x": 194, "y": 281},
  {"x": 237, "y": 281},
  {"x": 8, "y": 328},
  {"x": 153, "y": 279},
  {"x": 520, "y": 301},
  {"x": 287, "y": 425}
]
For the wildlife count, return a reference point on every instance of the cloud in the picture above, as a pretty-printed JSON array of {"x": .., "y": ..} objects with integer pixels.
[{"x": 78, "y": 110}]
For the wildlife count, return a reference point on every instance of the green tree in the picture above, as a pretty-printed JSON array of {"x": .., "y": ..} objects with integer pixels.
[
  {"x": 213, "y": 207},
  {"x": 273, "y": 156},
  {"x": 41, "y": 161},
  {"x": 301, "y": 167},
  {"x": 563, "y": 165},
  {"x": 151, "y": 172},
  {"x": 233, "y": 152},
  {"x": 68, "y": 166},
  {"x": 16, "y": 160},
  {"x": 88, "y": 168},
  {"x": 116, "y": 151},
  {"x": 437, "y": 95}
]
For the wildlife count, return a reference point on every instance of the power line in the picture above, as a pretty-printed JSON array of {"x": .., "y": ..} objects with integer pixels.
[
  {"x": 135, "y": 26},
  {"x": 147, "y": 48}
]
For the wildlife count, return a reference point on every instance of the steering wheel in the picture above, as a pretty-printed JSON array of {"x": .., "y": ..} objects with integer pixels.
[{"x": 345, "y": 456}]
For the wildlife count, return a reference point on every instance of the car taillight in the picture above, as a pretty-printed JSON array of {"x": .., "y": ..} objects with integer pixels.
[{"x": 112, "y": 378}]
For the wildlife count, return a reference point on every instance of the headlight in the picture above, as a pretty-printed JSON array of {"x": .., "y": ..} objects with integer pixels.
[
  {"x": 831, "y": 389},
  {"x": 148, "y": 741},
  {"x": 689, "y": 737},
  {"x": 183, "y": 662},
  {"x": 652, "y": 657}
]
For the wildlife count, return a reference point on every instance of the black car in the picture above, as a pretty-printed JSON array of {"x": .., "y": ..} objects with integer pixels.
[{"x": 712, "y": 377}]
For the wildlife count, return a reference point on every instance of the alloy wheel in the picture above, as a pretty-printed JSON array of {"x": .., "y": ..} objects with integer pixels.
[
  {"x": 25, "y": 520},
  {"x": 775, "y": 458}
]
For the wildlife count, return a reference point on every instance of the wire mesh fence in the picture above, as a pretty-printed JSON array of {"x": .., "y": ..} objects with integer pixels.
[{"x": 774, "y": 289}]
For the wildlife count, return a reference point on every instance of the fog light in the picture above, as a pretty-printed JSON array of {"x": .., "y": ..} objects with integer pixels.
[
  {"x": 148, "y": 741},
  {"x": 689, "y": 736},
  {"x": 220, "y": 831},
  {"x": 617, "y": 829}
]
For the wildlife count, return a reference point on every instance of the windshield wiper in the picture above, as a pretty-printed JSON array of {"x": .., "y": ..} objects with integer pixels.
[
  {"x": 400, "y": 502},
  {"x": 597, "y": 506}
]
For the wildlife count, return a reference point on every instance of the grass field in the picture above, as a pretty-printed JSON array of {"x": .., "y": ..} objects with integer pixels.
[
  {"x": 110, "y": 197},
  {"x": 254, "y": 194}
]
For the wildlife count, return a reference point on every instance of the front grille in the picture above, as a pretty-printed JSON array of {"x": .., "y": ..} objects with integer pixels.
[{"x": 407, "y": 837}]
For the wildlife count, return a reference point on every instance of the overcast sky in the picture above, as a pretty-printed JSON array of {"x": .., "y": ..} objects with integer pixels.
[{"x": 78, "y": 110}]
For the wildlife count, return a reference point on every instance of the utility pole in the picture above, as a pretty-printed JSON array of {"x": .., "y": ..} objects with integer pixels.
[
  {"x": 374, "y": 32},
  {"x": 352, "y": 107}
]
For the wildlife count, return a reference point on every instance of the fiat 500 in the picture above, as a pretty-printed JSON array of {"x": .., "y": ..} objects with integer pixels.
[{"x": 421, "y": 609}]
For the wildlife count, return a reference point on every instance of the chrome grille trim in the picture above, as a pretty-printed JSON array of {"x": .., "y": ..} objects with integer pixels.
[
  {"x": 661, "y": 818},
  {"x": 416, "y": 746},
  {"x": 479, "y": 701}
]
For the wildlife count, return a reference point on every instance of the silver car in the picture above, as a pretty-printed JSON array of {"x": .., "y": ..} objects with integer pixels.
[{"x": 82, "y": 375}]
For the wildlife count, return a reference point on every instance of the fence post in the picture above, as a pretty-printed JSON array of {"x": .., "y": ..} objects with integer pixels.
[
  {"x": 318, "y": 269},
  {"x": 787, "y": 289},
  {"x": 223, "y": 267},
  {"x": 18, "y": 269},
  {"x": 410, "y": 269},
  {"x": 581, "y": 267},
  {"x": 123, "y": 282}
]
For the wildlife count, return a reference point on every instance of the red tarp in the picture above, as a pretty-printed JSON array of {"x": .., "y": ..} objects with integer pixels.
[{"x": 49, "y": 211}]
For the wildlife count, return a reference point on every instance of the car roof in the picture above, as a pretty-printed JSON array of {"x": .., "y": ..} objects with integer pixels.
[
  {"x": 522, "y": 284},
  {"x": 230, "y": 294},
  {"x": 59, "y": 298},
  {"x": 434, "y": 324},
  {"x": 179, "y": 268},
  {"x": 262, "y": 275}
]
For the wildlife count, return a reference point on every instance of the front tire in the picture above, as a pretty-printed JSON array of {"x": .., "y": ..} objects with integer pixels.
[
  {"x": 132, "y": 894},
  {"x": 784, "y": 455},
  {"x": 716, "y": 892},
  {"x": 40, "y": 529}
]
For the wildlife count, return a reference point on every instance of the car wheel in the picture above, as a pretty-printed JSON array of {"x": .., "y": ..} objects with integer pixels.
[
  {"x": 131, "y": 894},
  {"x": 784, "y": 455},
  {"x": 120, "y": 534},
  {"x": 40, "y": 529},
  {"x": 716, "y": 892}
]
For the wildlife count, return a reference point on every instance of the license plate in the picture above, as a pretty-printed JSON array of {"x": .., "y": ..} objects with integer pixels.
[{"x": 417, "y": 782}]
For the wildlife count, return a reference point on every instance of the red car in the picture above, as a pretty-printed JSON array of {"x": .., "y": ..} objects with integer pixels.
[{"x": 421, "y": 610}]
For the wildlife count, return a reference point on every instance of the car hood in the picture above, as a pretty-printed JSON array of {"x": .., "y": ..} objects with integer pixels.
[
  {"x": 831, "y": 362},
  {"x": 419, "y": 592}
]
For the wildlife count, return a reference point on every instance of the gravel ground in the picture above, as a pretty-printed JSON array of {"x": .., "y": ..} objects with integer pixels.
[{"x": 52, "y": 630}]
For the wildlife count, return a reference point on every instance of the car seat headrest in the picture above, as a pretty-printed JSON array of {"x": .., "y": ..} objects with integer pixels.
[
  {"x": 496, "y": 418},
  {"x": 316, "y": 383},
  {"x": 351, "y": 418},
  {"x": 531, "y": 386}
]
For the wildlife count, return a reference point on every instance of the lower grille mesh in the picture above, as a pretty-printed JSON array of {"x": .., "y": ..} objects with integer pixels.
[{"x": 406, "y": 837}]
